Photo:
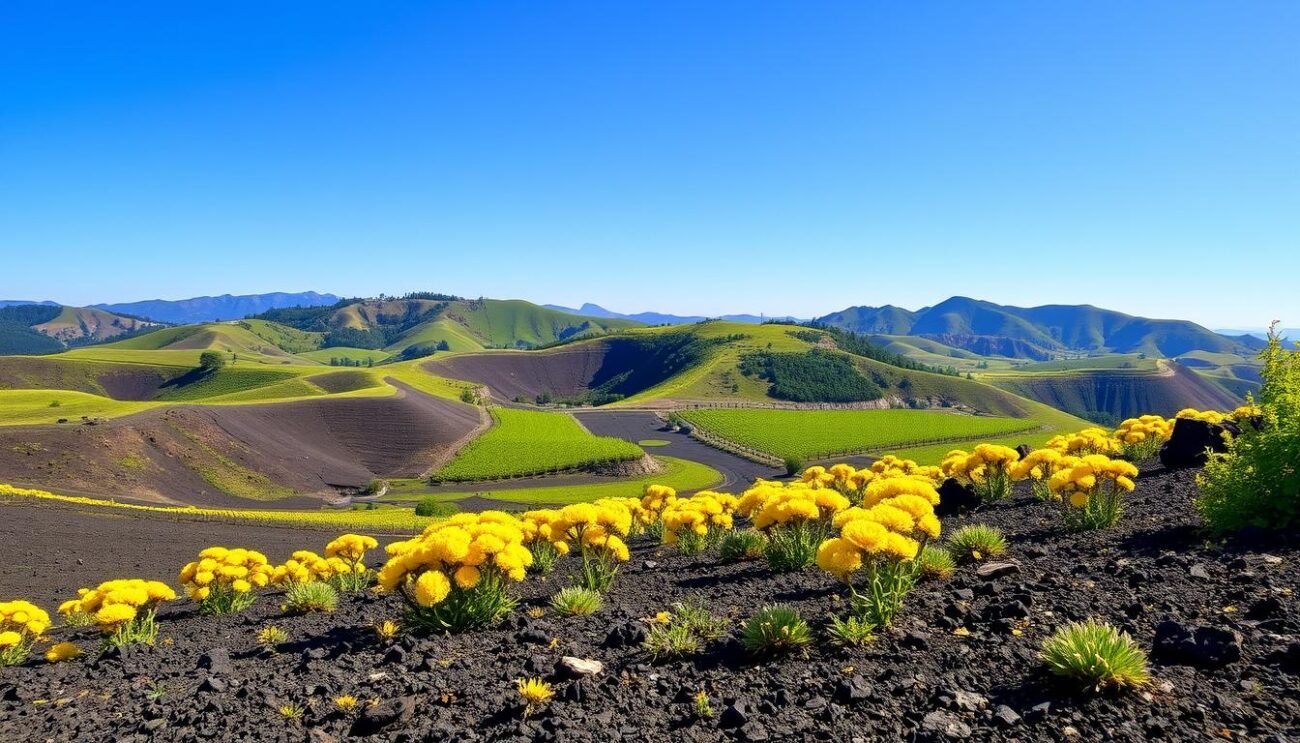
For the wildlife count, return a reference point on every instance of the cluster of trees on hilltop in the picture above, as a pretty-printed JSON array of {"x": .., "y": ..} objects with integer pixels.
[
  {"x": 815, "y": 376},
  {"x": 16, "y": 334},
  {"x": 858, "y": 345},
  {"x": 388, "y": 328}
]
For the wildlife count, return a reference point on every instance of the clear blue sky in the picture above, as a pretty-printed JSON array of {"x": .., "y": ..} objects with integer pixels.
[{"x": 697, "y": 157}]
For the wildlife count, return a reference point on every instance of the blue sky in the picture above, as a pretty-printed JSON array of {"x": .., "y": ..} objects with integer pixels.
[{"x": 778, "y": 157}]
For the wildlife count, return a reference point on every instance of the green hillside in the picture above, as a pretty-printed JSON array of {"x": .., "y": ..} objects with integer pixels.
[{"x": 36, "y": 329}]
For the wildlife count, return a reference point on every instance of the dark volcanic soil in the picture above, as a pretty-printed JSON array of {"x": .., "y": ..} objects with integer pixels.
[
  {"x": 917, "y": 681},
  {"x": 175, "y": 454}
]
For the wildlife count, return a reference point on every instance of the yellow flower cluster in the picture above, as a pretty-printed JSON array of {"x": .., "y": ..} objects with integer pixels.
[
  {"x": 598, "y": 526},
  {"x": 654, "y": 501},
  {"x": 978, "y": 465},
  {"x": 220, "y": 568},
  {"x": 1039, "y": 464},
  {"x": 21, "y": 622},
  {"x": 540, "y": 527},
  {"x": 1143, "y": 429},
  {"x": 351, "y": 547},
  {"x": 456, "y": 554},
  {"x": 1246, "y": 412},
  {"x": 1078, "y": 479},
  {"x": 305, "y": 566},
  {"x": 114, "y": 603},
  {"x": 895, "y": 525},
  {"x": 1205, "y": 416},
  {"x": 62, "y": 651},
  {"x": 701, "y": 513},
  {"x": 850, "y": 481},
  {"x": 769, "y": 504},
  {"x": 1087, "y": 441}
]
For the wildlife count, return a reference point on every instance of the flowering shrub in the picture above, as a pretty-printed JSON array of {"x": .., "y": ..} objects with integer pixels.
[
  {"x": 123, "y": 609},
  {"x": 535, "y": 693},
  {"x": 351, "y": 549},
  {"x": 1204, "y": 416},
  {"x": 21, "y": 622},
  {"x": 1038, "y": 467},
  {"x": 1092, "y": 489},
  {"x": 852, "y": 482},
  {"x": 454, "y": 576},
  {"x": 653, "y": 503},
  {"x": 304, "y": 566},
  {"x": 795, "y": 518},
  {"x": 1140, "y": 438},
  {"x": 1247, "y": 412},
  {"x": 1087, "y": 441},
  {"x": 1256, "y": 483},
  {"x": 876, "y": 550},
  {"x": 222, "y": 579},
  {"x": 698, "y": 522},
  {"x": 598, "y": 529},
  {"x": 988, "y": 469},
  {"x": 538, "y": 530}
]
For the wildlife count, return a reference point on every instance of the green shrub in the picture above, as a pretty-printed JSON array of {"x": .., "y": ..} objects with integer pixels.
[
  {"x": 694, "y": 615},
  {"x": 852, "y": 631},
  {"x": 936, "y": 562},
  {"x": 1256, "y": 483},
  {"x": 1096, "y": 655},
  {"x": 687, "y": 629},
  {"x": 431, "y": 506},
  {"x": 312, "y": 596},
  {"x": 575, "y": 601},
  {"x": 976, "y": 542},
  {"x": 793, "y": 466},
  {"x": 775, "y": 630},
  {"x": 791, "y": 547},
  {"x": 741, "y": 545},
  {"x": 672, "y": 640},
  {"x": 463, "y": 609},
  {"x": 544, "y": 557}
]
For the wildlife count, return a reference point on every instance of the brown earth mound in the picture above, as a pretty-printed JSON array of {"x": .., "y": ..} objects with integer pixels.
[
  {"x": 565, "y": 372},
  {"x": 224, "y": 455},
  {"x": 118, "y": 381},
  {"x": 1122, "y": 394},
  {"x": 343, "y": 381}
]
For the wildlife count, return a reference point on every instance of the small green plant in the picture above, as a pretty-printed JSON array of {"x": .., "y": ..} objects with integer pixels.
[
  {"x": 793, "y": 547},
  {"x": 703, "y": 707},
  {"x": 936, "y": 562},
  {"x": 270, "y": 638},
  {"x": 976, "y": 542},
  {"x": 545, "y": 556},
  {"x": 694, "y": 615},
  {"x": 155, "y": 691},
  {"x": 143, "y": 630},
  {"x": 312, "y": 596},
  {"x": 576, "y": 601},
  {"x": 430, "y": 506},
  {"x": 742, "y": 545},
  {"x": 775, "y": 630},
  {"x": 672, "y": 640},
  {"x": 292, "y": 711},
  {"x": 346, "y": 703},
  {"x": 793, "y": 466},
  {"x": 387, "y": 630},
  {"x": 852, "y": 631},
  {"x": 1096, "y": 655}
]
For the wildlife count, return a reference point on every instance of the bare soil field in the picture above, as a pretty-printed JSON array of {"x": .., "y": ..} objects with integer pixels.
[{"x": 960, "y": 664}]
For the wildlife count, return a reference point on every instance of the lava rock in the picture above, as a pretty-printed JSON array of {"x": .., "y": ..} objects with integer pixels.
[
  {"x": 852, "y": 690},
  {"x": 1189, "y": 441},
  {"x": 216, "y": 662},
  {"x": 1005, "y": 716},
  {"x": 573, "y": 668},
  {"x": 943, "y": 724},
  {"x": 214, "y": 685},
  {"x": 384, "y": 715},
  {"x": 736, "y": 714},
  {"x": 954, "y": 498},
  {"x": 1199, "y": 646},
  {"x": 532, "y": 637},
  {"x": 1199, "y": 572},
  {"x": 626, "y": 635},
  {"x": 991, "y": 570}
]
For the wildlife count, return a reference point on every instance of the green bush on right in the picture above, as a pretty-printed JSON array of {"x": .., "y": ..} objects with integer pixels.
[{"x": 1256, "y": 483}]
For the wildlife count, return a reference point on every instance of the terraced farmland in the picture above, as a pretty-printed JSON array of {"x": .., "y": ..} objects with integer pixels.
[
  {"x": 527, "y": 442},
  {"x": 817, "y": 434}
]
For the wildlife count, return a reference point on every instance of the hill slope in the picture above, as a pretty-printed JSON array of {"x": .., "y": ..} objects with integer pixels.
[
  {"x": 45, "y": 328},
  {"x": 1039, "y": 332},
  {"x": 212, "y": 309}
]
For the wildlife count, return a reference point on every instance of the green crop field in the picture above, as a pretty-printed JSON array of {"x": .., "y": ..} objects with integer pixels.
[
  {"x": 30, "y": 407},
  {"x": 362, "y": 355},
  {"x": 680, "y": 474},
  {"x": 224, "y": 382},
  {"x": 817, "y": 434},
  {"x": 527, "y": 442}
]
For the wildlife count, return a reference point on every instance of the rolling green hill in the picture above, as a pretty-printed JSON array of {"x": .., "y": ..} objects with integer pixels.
[
  {"x": 33, "y": 329},
  {"x": 1039, "y": 332}
]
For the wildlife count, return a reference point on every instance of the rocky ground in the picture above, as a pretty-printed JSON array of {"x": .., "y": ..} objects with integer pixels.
[{"x": 1219, "y": 619}]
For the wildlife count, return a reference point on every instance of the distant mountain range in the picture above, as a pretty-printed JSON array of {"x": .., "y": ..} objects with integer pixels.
[
  {"x": 658, "y": 318},
  {"x": 1262, "y": 333},
  {"x": 224, "y": 307},
  {"x": 1039, "y": 332}
]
